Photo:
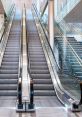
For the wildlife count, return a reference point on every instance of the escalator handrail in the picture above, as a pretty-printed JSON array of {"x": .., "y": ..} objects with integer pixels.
[
  {"x": 46, "y": 38},
  {"x": 62, "y": 90},
  {"x": 20, "y": 61},
  {"x": 24, "y": 77}
]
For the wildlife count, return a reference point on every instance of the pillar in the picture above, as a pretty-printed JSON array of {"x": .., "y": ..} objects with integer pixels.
[{"x": 51, "y": 22}]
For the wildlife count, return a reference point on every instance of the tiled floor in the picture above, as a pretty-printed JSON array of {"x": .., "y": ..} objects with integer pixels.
[
  {"x": 40, "y": 112},
  {"x": 44, "y": 108}
]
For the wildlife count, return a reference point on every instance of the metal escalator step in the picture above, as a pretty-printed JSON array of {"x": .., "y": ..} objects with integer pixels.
[
  {"x": 44, "y": 93},
  {"x": 8, "y": 76},
  {"x": 12, "y": 43},
  {"x": 36, "y": 56},
  {"x": 3, "y": 71},
  {"x": 38, "y": 67},
  {"x": 38, "y": 63},
  {"x": 6, "y": 52},
  {"x": 43, "y": 87},
  {"x": 10, "y": 63},
  {"x": 10, "y": 56},
  {"x": 8, "y": 86},
  {"x": 43, "y": 71},
  {"x": 11, "y": 51},
  {"x": 8, "y": 93},
  {"x": 10, "y": 60},
  {"x": 5, "y": 67},
  {"x": 36, "y": 47},
  {"x": 42, "y": 81},
  {"x": 40, "y": 76},
  {"x": 8, "y": 81},
  {"x": 37, "y": 60},
  {"x": 12, "y": 48},
  {"x": 35, "y": 50}
]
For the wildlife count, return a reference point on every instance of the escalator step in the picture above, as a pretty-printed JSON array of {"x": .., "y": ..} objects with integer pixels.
[
  {"x": 8, "y": 93},
  {"x": 9, "y": 76},
  {"x": 4, "y": 67},
  {"x": 42, "y": 81},
  {"x": 43, "y": 87},
  {"x": 40, "y": 76},
  {"x": 44, "y": 93},
  {"x": 8, "y": 81},
  {"x": 43, "y": 71},
  {"x": 8, "y": 87},
  {"x": 8, "y": 71}
]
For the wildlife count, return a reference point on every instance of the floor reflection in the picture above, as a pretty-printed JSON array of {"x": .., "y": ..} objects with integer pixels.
[{"x": 27, "y": 114}]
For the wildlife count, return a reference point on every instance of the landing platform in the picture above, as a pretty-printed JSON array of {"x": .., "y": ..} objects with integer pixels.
[
  {"x": 45, "y": 107},
  {"x": 40, "y": 112}
]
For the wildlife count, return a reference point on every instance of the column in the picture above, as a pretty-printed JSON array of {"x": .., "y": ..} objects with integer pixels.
[{"x": 51, "y": 22}]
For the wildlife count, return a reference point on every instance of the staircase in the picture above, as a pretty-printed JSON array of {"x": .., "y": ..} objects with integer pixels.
[
  {"x": 10, "y": 62},
  {"x": 76, "y": 68},
  {"x": 39, "y": 71}
]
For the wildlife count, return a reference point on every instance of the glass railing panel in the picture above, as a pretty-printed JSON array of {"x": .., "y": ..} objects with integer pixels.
[
  {"x": 65, "y": 58},
  {"x": 71, "y": 68},
  {"x": 65, "y": 9}
]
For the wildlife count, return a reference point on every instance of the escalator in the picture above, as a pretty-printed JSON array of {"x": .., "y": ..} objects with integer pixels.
[
  {"x": 44, "y": 92},
  {"x": 39, "y": 71},
  {"x": 43, "y": 68},
  {"x": 10, "y": 61}
]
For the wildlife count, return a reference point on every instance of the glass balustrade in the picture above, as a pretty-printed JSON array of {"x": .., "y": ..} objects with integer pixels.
[
  {"x": 64, "y": 8},
  {"x": 66, "y": 56}
]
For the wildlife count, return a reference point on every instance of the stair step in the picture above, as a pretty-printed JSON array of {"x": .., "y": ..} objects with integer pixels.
[
  {"x": 5, "y": 67},
  {"x": 39, "y": 71},
  {"x": 42, "y": 81},
  {"x": 10, "y": 60},
  {"x": 37, "y": 60},
  {"x": 3, "y": 71},
  {"x": 38, "y": 63},
  {"x": 9, "y": 76},
  {"x": 44, "y": 93},
  {"x": 10, "y": 63},
  {"x": 38, "y": 67},
  {"x": 8, "y": 93},
  {"x": 11, "y": 53},
  {"x": 11, "y": 56},
  {"x": 43, "y": 87},
  {"x": 8, "y": 86},
  {"x": 8, "y": 81},
  {"x": 40, "y": 76}
]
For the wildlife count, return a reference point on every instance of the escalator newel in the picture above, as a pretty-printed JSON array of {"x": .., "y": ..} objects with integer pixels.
[
  {"x": 78, "y": 107},
  {"x": 81, "y": 93},
  {"x": 20, "y": 105},
  {"x": 31, "y": 104}
]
